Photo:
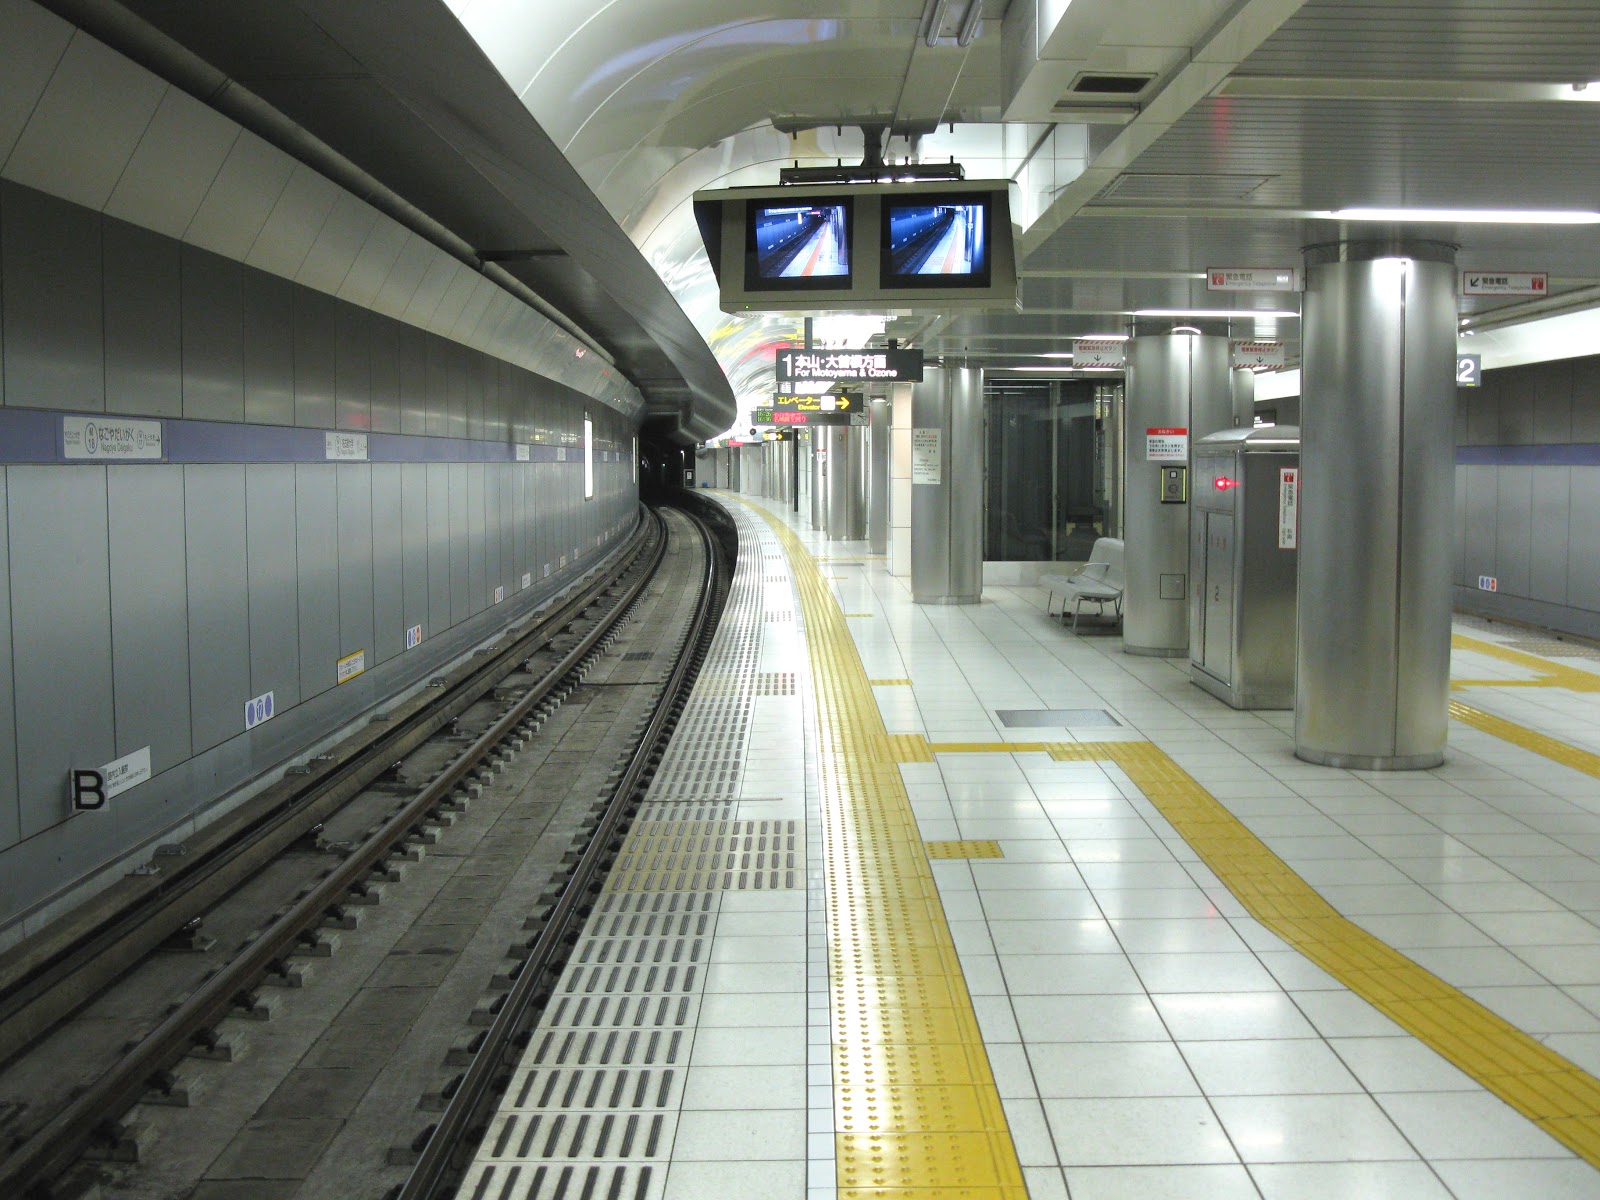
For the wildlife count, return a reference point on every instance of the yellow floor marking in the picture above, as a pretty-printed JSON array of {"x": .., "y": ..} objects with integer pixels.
[
  {"x": 1554, "y": 1093},
  {"x": 1539, "y": 743},
  {"x": 970, "y": 848},
  {"x": 1550, "y": 674},
  {"x": 857, "y": 614},
  {"x": 916, "y": 1109},
  {"x": 890, "y": 682}
]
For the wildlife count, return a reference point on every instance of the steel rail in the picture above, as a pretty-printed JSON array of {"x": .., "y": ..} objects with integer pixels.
[
  {"x": 58, "y": 1144},
  {"x": 477, "y": 1086}
]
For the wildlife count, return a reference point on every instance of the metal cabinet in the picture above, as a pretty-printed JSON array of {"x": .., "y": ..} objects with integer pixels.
[{"x": 1243, "y": 539}]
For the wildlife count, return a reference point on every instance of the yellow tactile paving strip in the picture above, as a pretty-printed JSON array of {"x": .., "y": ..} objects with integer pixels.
[
  {"x": 1539, "y": 743},
  {"x": 916, "y": 1111},
  {"x": 890, "y": 682},
  {"x": 1548, "y": 674},
  {"x": 969, "y": 848}
]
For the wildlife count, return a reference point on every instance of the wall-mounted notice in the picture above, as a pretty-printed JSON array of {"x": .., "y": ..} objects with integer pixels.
[
  {"x": 1166, "y": 443},
  {"x": 1099, "y": 352},
  {"x": 527, "y": 579},
  {"x": 345, "y": 447},
  {"x": 1288, "y": 508},
  {"x": 258, "y": 710},
  {"x": 1488, "y": 583},
  {"x": 350, "y": 666},
  {"x": 91, "y": 787},
  {"x": 499, "y": 594},
  {"x": 1505, "y": 283},
  {"x": 927, "y": 456},
  {"x": 110, "y": 438},
  {"x": 413, "y": 637},
  {"x": 522, "y": 453},
  {"x": 1260, "y": 356}
]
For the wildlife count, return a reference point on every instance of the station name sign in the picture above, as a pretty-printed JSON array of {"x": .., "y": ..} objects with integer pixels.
[{"x": 850, "y": 366}]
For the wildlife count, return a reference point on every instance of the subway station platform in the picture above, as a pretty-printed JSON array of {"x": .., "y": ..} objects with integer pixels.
[{"x": 949, "y": 902}]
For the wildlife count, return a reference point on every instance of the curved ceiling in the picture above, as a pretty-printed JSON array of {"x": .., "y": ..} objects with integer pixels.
[{"x": 1257, "y": 118}]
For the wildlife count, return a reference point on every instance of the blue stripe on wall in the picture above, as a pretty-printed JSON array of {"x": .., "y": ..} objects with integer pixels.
[
  {"x": 31, "y": 435},
  {"x": 1577, "y": 454}
]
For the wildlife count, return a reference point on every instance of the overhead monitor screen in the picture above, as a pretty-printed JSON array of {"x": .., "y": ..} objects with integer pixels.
[
  {"x": 798, "y": 245},
  {"x": 932, "y": 241}
]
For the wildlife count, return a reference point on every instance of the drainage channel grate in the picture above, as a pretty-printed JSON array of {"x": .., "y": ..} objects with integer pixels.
[
  {"x": 775, "y": 683},
  {"x": 1054, "y": 718},
  {"x": 566, "y": 1181},
  {"x": 1554, "y": 648},
  {"x": 733, "y": 856}
]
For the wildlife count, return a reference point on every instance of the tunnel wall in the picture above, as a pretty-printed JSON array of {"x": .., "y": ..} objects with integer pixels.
[{"x": 329, "y": 479}]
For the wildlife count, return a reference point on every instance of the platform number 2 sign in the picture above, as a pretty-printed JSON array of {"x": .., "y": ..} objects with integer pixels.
[{"x": 1469, "y": 370}]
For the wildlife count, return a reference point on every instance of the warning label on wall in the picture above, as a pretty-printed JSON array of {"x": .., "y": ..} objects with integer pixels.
[
  {"x": 1288, "y": 508},
  {"x": 1166, "y": 444}
]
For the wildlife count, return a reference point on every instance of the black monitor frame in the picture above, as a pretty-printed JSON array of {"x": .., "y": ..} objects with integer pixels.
[{"x": 755, "y": 282}]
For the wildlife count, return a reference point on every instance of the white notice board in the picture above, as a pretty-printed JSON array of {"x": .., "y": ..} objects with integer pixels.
[
  {"x": 1288, "y": 508},
  {"x": 1166, "y": 443},
  {"x": 927, "y": 456}
]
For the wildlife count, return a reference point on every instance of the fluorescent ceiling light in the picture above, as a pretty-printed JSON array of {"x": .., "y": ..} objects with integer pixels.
[
  {"x": 1474, "y": 216},
  {"x": 1101, "y": 337},
  {"x": 1238, "y": 314},
  {"x": 1058, "y": 354},
  {"x": 1055, "y": 370}
]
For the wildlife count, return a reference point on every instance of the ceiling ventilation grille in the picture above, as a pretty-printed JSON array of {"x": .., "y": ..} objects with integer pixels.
[
  {"x": 1110, "y": 85},
  {"x": 1185, "y": 189}
]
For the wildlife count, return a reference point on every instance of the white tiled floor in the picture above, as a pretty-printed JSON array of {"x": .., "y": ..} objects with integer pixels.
[{"x": 1149, "y": 1039}]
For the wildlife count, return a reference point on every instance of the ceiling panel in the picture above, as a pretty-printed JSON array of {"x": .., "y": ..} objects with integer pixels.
[{"x": 1555, "y": 41}]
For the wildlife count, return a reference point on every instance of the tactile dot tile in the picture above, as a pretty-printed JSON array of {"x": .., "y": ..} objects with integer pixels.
[{"x": 970, "y": 848}]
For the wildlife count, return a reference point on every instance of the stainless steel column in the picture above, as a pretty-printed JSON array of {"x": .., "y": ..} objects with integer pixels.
[
  {"x": 947, "y": 487},
  {"x": 878, "y": 476},
  {"x": 1174, "y": 381},
  {"x": 1244, "y": 398},
  {"x": 816, "y": 452},
  {"x": 844, "y": 501},
  {"x": 1377, "y": 458}
]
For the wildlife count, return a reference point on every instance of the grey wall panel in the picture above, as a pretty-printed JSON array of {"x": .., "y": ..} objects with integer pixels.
[
  {"x": 414, "y": 548},
  {"x": 477, "y": 558},
  {"x": 313, "y": 359},
  {"x": 355, "y": 560},
  {"x": 1586, "y": 400},
  {"x": 338, "y": 242},
  {"x": 143, "y": 323},
  {"x": 385, "y": 375},
  {"x": 1480, "y": 543},
  {"x": 219, "y": 613},
  {"x": 1583, "y": 545},
  {"x": 437, "y": 352},
  {"x": 510, "y": 561},
  {"x": 400, "y": 284},
  {"x": 298, "y": 216},
  {"x": 242, "y": 196},
  {"x": 61, "y": 606},
  {"x": 274, "y": 601},
  {"x": 456, "y": 370},
  {"x": 518, "y": 525},
  {"x": 413, "y": 380},
  {"x": 1460, "y": 572},
  {"x": 374, "y": 263},
  {"x": 178, "y": 157},
  {"x": 495, "y": 574},
  {"x": 317, "y": 559},
  {"x": 1552, "y": 403},
  {"x": 1513, "y": 528},
  {"x": 1547, "y": 551},
  {"x": 1483, "y": 412},
  {"x": 269, "y": 368},
  {"x": 439, "y": 615},
  {"x": 388, "y": 548},
  {"x": 353, "y": 367},
  {"x": 149, "y": 612},
  {"x": 459, "y": 535},
  {"x": 1515, "y": 399},
  {"x": 10, "y": 817},
  {"x": 213, "y": 336},
  {"x": 51, "y": 304},
  {"x": 475, "y": 376}
]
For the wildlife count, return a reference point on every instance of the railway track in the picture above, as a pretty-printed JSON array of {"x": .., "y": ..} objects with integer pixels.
[{"x": 485, "y": 712}]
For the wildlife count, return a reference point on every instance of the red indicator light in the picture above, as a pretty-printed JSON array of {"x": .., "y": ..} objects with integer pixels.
[{"x": 1224, "y": 484}]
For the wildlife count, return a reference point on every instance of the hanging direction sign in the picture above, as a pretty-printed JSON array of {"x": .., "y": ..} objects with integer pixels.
[
  {"x": 839, "y": 417},
  {"x": 1505, "y": 283},
  {"x": 1098, "y": 352},
  {"x": 850, "y": 366},
  {"x": 1252, "y": 279},
  {"x": 828, "y": 402}
]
